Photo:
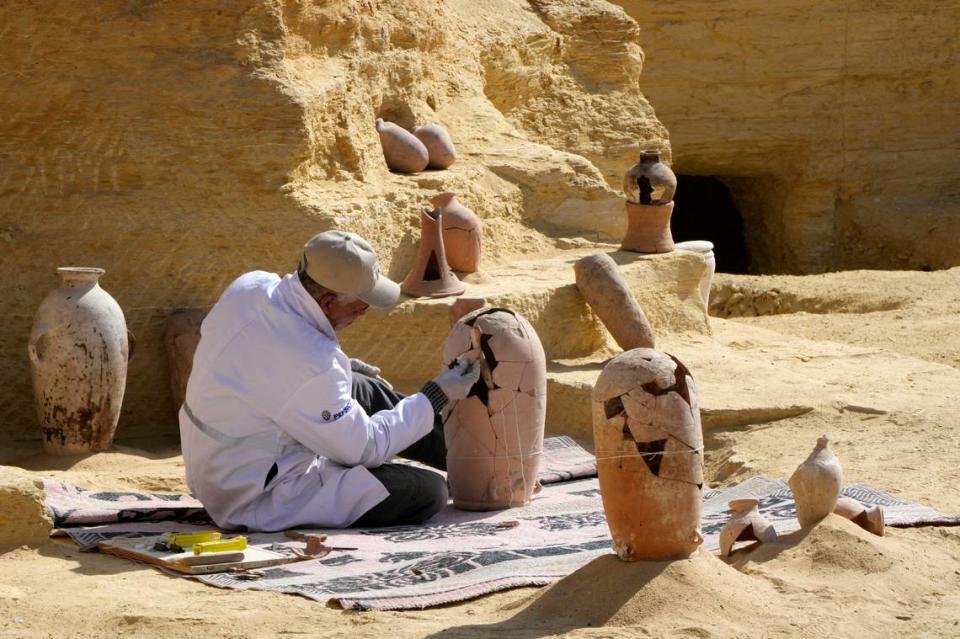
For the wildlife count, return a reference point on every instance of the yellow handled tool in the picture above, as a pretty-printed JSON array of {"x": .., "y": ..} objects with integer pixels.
[
  {"x": 222, "y": 545},
  {"x": 187, "y": 539}
]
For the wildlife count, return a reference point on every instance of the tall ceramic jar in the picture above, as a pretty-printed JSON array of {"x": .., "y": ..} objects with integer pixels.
[
  {"x": 78, "y": 355},
  {"x": 495, "y": 436},
  {"x": 462, "y": 233},
  {"x": 649, "y": 445}
]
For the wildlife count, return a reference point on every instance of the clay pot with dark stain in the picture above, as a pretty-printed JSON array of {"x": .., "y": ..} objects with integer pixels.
[
  {"x": 431, "y": 275},
  {"x": 649, "y": 447},
  {"x": 649, "y": 187},
  {"x": 79, "y": 351},
  {"x": 439, "y": 145},
  {"x": 599, "y": 281},
  {"x": 649, "y": 181},
  {"x": 462, "y": 233},
  {"x": 401, "y": 149}
]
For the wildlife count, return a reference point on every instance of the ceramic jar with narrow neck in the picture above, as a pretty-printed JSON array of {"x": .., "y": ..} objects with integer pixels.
[
  {"x": 816, "y": 484},
  {"x": 649, "y": 187},
  {"x": 79, "y": 352}
]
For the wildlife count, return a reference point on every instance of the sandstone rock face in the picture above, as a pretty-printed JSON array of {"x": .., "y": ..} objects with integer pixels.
[
  {"x": 836, "y": 129},
  {"x": 23, "y": 518},
  {"x": 179, "y": 145}
]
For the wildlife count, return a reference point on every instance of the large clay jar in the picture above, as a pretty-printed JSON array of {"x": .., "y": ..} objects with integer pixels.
[
  {"x": 816, "y": 484},
  {"x": 495, "y": 436},
  {"x": 649, "y": 446},
  {"x": 870, "y": 518},
  {"x": 181, "y": 336},
  {"x": 706, "y": 249},
  {"x": 439, "y": 145},
  {"x": 431, "y": 275},
  {"x": 462, "y": 233},
  {"x": 649, "y": 187},
  {"x": 401, "y": 149},
  {"x": 745, "y": 524},
  {"x": 78, "y": 354},
  {"x": 599, "y": 281}
]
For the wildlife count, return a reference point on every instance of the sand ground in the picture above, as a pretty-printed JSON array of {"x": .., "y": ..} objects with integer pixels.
[{"x": 878, "y": 356}]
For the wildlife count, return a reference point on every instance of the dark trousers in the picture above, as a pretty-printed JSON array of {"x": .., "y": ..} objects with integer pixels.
[{"x": 416, "y": 494}]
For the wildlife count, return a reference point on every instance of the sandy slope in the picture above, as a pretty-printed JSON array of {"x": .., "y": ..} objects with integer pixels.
[{"x": 833, "y": 581}]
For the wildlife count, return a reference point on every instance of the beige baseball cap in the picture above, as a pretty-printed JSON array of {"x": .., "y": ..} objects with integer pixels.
[{"x": 345, "y": 263}]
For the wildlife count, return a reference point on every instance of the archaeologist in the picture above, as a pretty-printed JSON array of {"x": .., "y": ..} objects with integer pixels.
[{"x": 280, "y": 429}]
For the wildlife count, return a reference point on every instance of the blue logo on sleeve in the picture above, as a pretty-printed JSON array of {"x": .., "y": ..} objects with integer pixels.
[{"x": 327, "y": 417}]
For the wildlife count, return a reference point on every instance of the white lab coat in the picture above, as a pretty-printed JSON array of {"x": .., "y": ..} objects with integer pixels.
[{"x": 270, "y": 385}]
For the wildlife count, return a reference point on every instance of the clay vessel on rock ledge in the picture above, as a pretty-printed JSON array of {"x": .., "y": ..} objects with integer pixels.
[
  {"x": 462, "y": 233},
  {"x": 431, "y": 275},
  {"x": 648, "y": 228},
  {"x": 439, "y": 145},
  {"x": 649, "y": 181},
  {"x": 706, "y": 249},
  {"x": 401, "y": 149},
  {"x": 649, "y": 445},
  {"x": 599, "y": 281},
  {"x": 816, "y": 484},
  {"x": 79, "y": 351},
  {"x": 495, "y": 436},
  {"x": 745, "y": 524}
]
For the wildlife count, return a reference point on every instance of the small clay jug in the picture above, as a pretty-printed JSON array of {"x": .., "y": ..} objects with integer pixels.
[
  {"x": 649, "y": 181},
  {"x": 401, "y": 149},
  {"x": 462, "y": 233},
  {"x": 599, "y": 281},
  {"x": 431, "y": 275},
  {"x": 706, "y": 249},
  {"x": 79, "y": 350},
  {"x": 870, "y": 518},
  {"x": 649, "y": 446},
  {"x": 439, "y": 145},
  {"x": 816, "y": 484},
  {"x": 745, "y": 524}
]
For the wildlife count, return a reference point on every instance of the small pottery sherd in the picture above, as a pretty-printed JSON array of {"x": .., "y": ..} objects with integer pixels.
[
  {"x": 462, "y": 233},
  {"x": 816, "y": 484},
  {"x": 745, "y": 524},
  {"x": 464, "y": 305},
  {"x": 431, "y": 275},
  {"x": 79, "y": 351},
  {"x": 495, "y": 436},
  {"x": 439, "y": 145},
  {"x": 870, "y": 518},
  {"x": 599, "y": 281},
  {"x": 649, "y": 445},
  {"x": 401, "y": 149}
]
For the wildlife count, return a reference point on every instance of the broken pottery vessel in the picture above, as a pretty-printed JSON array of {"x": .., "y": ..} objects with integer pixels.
[
  {"x": 745, "y": 524},
  {"x": 649, "y": 446},
  {"x": 462, "y": 233},
  {"x": 816, "y": 484},
  {"x": 649, "y": 187},
  {"x": 706, "y": 249},
  {"x": 181, "y": 335},
  {"x": 599, "y": 281},
  {"x": 464, "y": 305},
  {"x": 401, "y": 149},
  {"x": 870, "y": 518},
  {"x": 79, "y": 351},
  {"x": 431, "y": 275},
  {"x": 495, "y": 436},
  {"x": 439, "y": 145}
]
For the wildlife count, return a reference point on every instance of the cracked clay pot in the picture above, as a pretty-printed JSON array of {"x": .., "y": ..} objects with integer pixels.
[
  {"x": 649, "y": 446},
  {"x": 79, "y": 352},
  {"x": 462, "y": 233},
  {"x": 439, "y": 145},
  {"x": 401, "y": 149},
  {"x": 495, "y": 436},
  {"x": 599, "y": 281},
  {"x": 816, "y": 484},
  {"x": 649, "y": 186},
  {"x": 745, "y": 524},
  {"x": 431, "y": 275}
]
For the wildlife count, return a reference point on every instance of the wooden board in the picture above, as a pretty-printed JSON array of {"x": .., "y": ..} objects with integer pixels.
[{"x": 141, "y": 549}]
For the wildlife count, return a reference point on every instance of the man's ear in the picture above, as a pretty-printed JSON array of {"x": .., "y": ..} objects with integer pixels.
[{"x": 325, "y": 301}]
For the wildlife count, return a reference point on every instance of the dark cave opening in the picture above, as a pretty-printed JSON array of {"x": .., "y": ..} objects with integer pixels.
[{"x": 705, "y": 210}]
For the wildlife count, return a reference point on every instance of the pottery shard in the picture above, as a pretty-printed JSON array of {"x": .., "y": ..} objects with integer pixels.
[
  {"x": 649, "y": 455},
  {"x": 23, "y": 517},
  {"x": 599, "y": 281},
  {"x": 440, "y": 147},
  {"x": 745, "y": 524},
  {"x": 401, "y": 149},
  {"x": 495, "y": 436},
  {"x": 181, "y": 335},
  {"x": 870, "y": 518}
]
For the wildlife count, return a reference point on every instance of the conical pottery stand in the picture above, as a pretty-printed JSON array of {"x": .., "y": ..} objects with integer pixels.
[{"x": 431, "y": 275}]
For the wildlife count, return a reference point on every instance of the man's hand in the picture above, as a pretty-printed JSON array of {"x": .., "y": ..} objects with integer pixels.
[
  {"x": 360, "y": 366},
  {"x": 456, "y": 382}
]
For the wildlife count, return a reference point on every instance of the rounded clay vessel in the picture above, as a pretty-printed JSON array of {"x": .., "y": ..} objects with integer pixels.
[
  {"x": 649, "y": 446},
  {"x": 649, "y": 181},
  {"x": 816, "y": 484},
  {"x": 495, "y": 436},
  {"x": 462, "y": 233},
  {"x": 431, "y": 275},
  {"x": 439, "y": 145},
  {"x": 599, "y": 281},
  {"x": 401, "y": 149},
  {"x": 79, "y": 352},
  {"x": 745, "y": 524}
]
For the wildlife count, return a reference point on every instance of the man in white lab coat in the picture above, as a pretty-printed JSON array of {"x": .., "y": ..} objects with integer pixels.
[{"x": 280, "y": 429}]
